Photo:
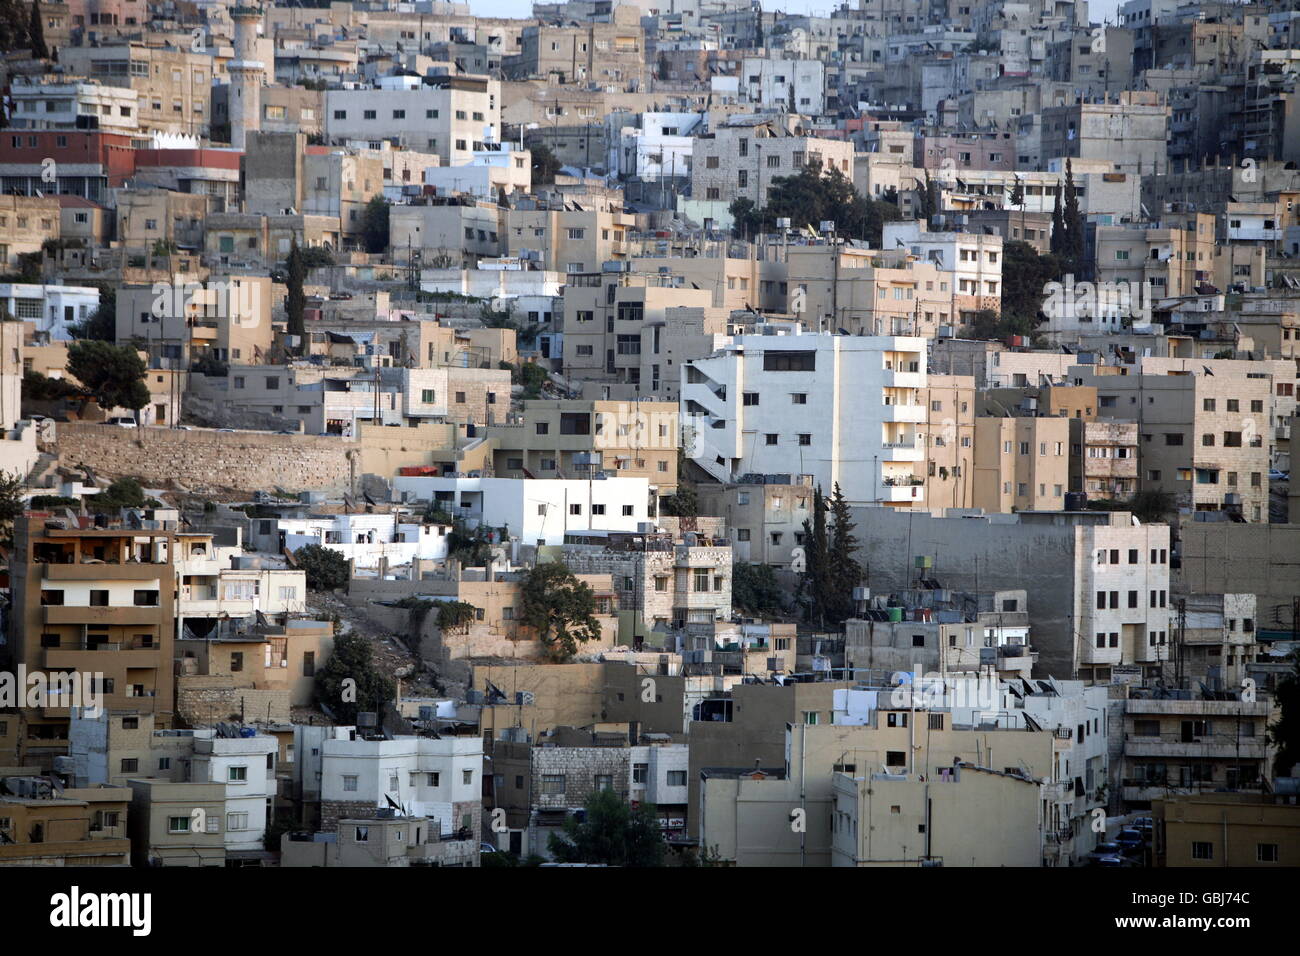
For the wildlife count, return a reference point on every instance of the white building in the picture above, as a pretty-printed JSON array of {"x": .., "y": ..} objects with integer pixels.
[
  {"x": 71, "y": 104},
  {"x": 364, "y": 539},
  {"x": 246, "y": 765},
  {"x": 770, "y": 83},
  {"x": 49, "y": 309},
  {"x": 489, "y": 172},
  {"x": 441, "y": 779},
  {"x": 453, "y": 119},
  {"x": 843, "y": 409},
  {"x": 974, "y": 262},
  {"x": 650, "y": 146},
  {"x": 538, "y": 511}
]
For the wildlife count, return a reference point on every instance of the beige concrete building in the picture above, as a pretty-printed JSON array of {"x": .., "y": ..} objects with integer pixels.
[
  {"x": 741, "y": 159},
  {"x": 1225, "y": 829},
  {"x": 948, "y": 435},
  {"x": 174, "y": 85},
  {"x": 75, "y": 828},
  {"x": 608, "y": 318},
  {"x": 1204, "y": 438},
  {"x": 228, "y": 318},
  {"x": 764, "y": 516},
  {"x": 965, "y": 815},
  {"x": 573, "y": 439},
  {"x": 1021, "y": 463},
  {"x": 26, "y": 222},
  {"x": 177, "y": 824},
  {"x": 1104, "y": 458},
  {"x": 568, "y": 240}
]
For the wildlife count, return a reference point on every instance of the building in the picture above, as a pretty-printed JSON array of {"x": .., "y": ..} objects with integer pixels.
[
  {"x": 1104, "y": 458},
  {"x": 539, "y": 511},
  {"x": 1225, "y": 829},
  {"x": 175, "y": 823},
  {"x": 1186, "y": 742},
  {"x": 1021, "y": 463},
  {"x": 846, "y": 409}
]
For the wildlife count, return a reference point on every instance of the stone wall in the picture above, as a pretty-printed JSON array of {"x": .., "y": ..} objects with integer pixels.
[
  {"x": 204, "y": 699},
  {"x": 332, "y": 811},
  {"x": 579, "y": 766},
  {"x": 202, "y": 460}
]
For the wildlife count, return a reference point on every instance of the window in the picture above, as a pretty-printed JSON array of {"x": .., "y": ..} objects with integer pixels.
[
  {"x": 640, "y": 772},
  {"x": 805, "y": 439},
  {"x": 1266, "y": 853},
  {"x": 130, "y": 765},
  {"x": 750, "y": 398},
  {"x": 676, "y": 778},
  {"x": 350, "y": 782},
  {"x": 553, "y": 783},
  {"x": 799, "y": 398},
  {"x": 237, "y": 774},
  {"x": 1202, "y": 850},
  {"x": 236, "y": 821},
  {"x": 178, "y": 824},
  {"x": 603, "y": 781},
  {"x": 146, "y": 598}
]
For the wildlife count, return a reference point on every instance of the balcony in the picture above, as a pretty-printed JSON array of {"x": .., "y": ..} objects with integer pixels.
[
  {"x": 89, "y": 658},
  {"x": 900, "y": 379},
  {"x": 105, "y": 572},
  {"x": 908, "y": 451},
  {"x": 102, "y": 616},
  {"x": 911, "y": 490},
  {"x": 903, "y": 413},
  {"x": 1215, "y": 746}
]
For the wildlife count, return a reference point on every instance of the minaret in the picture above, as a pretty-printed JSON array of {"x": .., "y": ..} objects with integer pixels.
[{"x": 246, "y": 76}]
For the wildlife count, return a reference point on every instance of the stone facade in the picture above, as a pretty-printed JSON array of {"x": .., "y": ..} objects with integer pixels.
[
  {"x": 202, "y": 460},
  {"x": 204, "y": 699},
  {"x": 579, "y": 766}
]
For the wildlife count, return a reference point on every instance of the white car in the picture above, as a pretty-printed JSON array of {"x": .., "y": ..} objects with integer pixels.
[
  {"x": 1276, "y": 475},
  {"x": 122, "y": 422}
]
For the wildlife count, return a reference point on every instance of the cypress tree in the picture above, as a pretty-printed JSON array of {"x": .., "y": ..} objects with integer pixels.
[
  {"x": 296, "y": 301},
  {"x": 36, "y": 33}
]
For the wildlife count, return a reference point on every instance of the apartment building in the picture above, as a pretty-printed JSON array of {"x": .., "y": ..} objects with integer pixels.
[
  {"x": 586, "y": 54},
  {"x": 26, "y": 224},
  {"x": 386, "y": 839},
  {"x": 972, "y": 262},
  {"x": 741, "y": 158},
  {"x": 748, "y": 409},
  {"x": 784, "y": 85},
  {"x": 47, "y": 103},
  {"x": 351, "y": 776},
  {"x": 868, "y": 828},
  {"x": 246, "y": 766},
  {"x": 173, "y": 84},
  {"x": 99, "y": 602},
  {"x": 364, "y": 539},
  {"x": 177, "y": 823},
  {"x": 66, "y": 828},
  {"x": 764, "y": 515},
  {"x": 1204, "y": 438},
  {"x": 948, "y": 436},
  {"x": 540, "y": 785},
  {"x": 1184, "y": 741},
  {"x": 576, "y": 438},
  {"x": 446, "y": 233},
  {"x": 616, "y": 323},
  {"x": 1104, "y": 458},
  {"x": 1225, "y": 829},
  {"x": 1217, "y": 644},
  {"x": 1171, "y": 257},
  {"x": 1130, "y": 130},
  {"x": 452, "y": 116},
  {"x": 1094, "y": 576},
  {"x": 942, "y": 632},
  {"x": 537, "y": 511},
  {"x": 1021, "y": 463},
  {"x": 665, "y": 581},
  {"x": 568, "y": 240},
  {"x": 181, "y": 320}
]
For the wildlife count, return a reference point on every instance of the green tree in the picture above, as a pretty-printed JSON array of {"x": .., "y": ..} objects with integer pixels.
[
  {"x": 102, "y": 323},
  {"x": 843, "y": 569},
  {"x": 113, "y": 375},
  {"x": 295, "y": 303},
  {"x": 1152, "y": 505},
  {"x": 815, "y": 194},
  {"x": 326, "y": 569},
  {"x": 374, "y": 225},
  {"x": 545, "y": 164},
  {"x": 754, "y": 588},
  {"x": 352, "y": 660},
  {"x": 1072, "y": 219},
  {"x": 613, "y": 833},
  {"x": 559, "y": 608},
  {"x": 1016, "y": 197},
  {"x": 1058, "y": 242},
  {"x": 122, "y": 493},
  {"x": 926, "y": 199},
  {"x": 814, "y": 583},
  {"x": 685, "y": 501},
  {"x": 1025, "y": 276},
  {"x": 11, "y": 504},
  {"x": 1284, "y": 733},
  {"x": 36, "y": 33}
]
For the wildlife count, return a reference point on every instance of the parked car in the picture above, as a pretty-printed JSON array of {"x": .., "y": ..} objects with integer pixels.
[
  {"x": 1102, "y": 850},
  {"x": 122, "y": 422},
  {"x": 1131, "y": 841},
  {"x": 1275, "y": 475},
  {"x": 487, "y": 848},
  {"x": 1143, "y": 824},
  {"x": 1112, "y": 861}
]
